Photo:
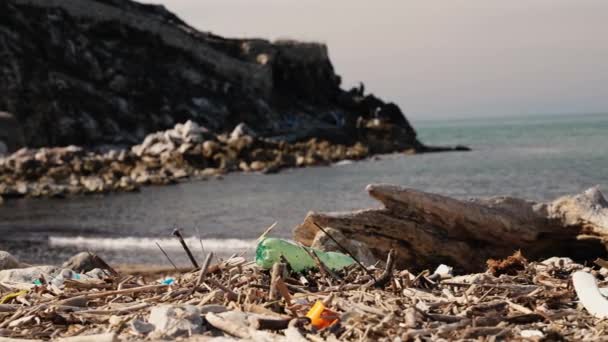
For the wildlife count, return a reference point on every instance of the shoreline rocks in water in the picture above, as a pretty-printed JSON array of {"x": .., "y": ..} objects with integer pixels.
[
  {"x": 97, "y": 73},
  {"x": 186, "y": 151}
]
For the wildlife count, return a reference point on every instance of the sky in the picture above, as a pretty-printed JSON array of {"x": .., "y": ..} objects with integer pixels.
[{"x": 441, "y": 59}]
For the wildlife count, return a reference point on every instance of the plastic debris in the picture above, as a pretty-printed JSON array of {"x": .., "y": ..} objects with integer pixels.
[
  {"x": 270, "y": 250},
  {"x": 320, "y": 316},
  {"x": 12, "y": 295},
  {"x": 66, "y": 274},
  {"x": 589, "y": 294},
  {"x": 444, "y": 271},
  {"x": 168, "y": 281}
]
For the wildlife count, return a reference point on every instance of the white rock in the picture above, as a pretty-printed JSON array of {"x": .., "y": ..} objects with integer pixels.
[
  {"x": 176, "y": 320},
  {"x": 241, "y": 130}
]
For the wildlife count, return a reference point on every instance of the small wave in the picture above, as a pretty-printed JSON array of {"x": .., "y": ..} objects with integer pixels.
[{"x": 215, "y": 245}]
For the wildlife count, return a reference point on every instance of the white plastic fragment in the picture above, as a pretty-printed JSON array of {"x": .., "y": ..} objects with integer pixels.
[
  {"x": 531, "y": 333},
  {"x": 589, "y": 294},
  {"x": 444, "y": 271}
]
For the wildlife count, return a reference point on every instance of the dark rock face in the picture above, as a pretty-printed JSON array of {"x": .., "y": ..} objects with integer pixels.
[
  {"x": 91, "y": 72},
  {"x": 11, "y": 137}
]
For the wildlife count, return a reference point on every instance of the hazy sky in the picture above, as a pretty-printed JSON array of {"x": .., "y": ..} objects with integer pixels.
[{"x": 440, "y": 59}]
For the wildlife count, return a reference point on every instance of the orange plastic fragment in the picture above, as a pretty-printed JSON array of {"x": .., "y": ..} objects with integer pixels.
[{"x": 320, "y": 316}]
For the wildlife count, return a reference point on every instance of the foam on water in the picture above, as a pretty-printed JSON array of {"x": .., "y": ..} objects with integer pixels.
[{"x": 130, "y": 243}]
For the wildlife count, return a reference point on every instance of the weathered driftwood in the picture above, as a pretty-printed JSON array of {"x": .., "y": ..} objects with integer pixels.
[{"x": 427, "y": 229}]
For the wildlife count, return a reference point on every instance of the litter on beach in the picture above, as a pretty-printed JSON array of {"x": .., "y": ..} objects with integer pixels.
[{"x": 236, "y": 298}]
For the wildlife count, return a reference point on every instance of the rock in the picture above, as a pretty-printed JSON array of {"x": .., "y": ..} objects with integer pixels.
[
  {"x": 140, "y": 327},
  {"x": 357, "y": 248},
  {"x": 176, "y": 320},
  {"x": 82, "y": 262},
  {"x": 7, "y": 261},
  {"x": 242, "y": 130},
  {"x": 3, "y": 148},
  {"x": 29, "y": 274},
  {"x": 92, "y": 184},
  {"x": 123, "y": 88},
  {"x": 11, "y": 135}
]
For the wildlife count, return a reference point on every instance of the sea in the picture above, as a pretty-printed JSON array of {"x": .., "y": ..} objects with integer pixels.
[{"x": 537, "y": 157}]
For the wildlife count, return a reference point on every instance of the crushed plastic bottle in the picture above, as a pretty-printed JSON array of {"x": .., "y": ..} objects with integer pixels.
[
  {"x": 269, "y": 252},
  {"x": 66, "y": 274}
]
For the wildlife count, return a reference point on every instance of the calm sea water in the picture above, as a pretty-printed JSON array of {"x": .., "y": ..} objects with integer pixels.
[{"x": 538, "y": 158}]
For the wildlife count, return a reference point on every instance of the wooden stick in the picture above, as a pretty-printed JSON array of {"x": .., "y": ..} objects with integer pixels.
[
  {"x": 269, "y": 324},
  {"x": 388, "y": 271},
  {"x": 179, "y": 236},
  {"x": 226, "y": 326},
  {"x": 200, "y": 240},
  {"x": 166, "y": 255},
  {"x": 115, "y": 292},
  {"x": 277, "y": 273},
  {"x": 204, "y": 269}
]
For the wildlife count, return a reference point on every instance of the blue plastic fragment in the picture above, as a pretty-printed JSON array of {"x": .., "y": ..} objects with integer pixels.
[{"x": 168, "y": 281}]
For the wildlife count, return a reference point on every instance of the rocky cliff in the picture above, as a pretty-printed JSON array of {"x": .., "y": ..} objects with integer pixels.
[{"x": 92, "y": 72}]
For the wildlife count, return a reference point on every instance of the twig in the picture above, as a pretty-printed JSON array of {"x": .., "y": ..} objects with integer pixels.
[
  {"x": 166, "y": 255},
  {"x": 201, "y": 276},
  {"x": 267, "y": 231},
  {"x": 260, "y": 323},
  {"x": 369, "y": 273},
  {"x": 200, "y": 239},
  {"x": 227, "y": 326},
  {"x": 277, "y": 273},
  {"x": 177, "y": 233},
  {"x": 388, "y": 271}
]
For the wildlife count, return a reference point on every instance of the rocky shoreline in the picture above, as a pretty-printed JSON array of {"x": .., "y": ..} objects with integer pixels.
[
  {"x": 95, "y": 73},
  {"x": 188, "y": 151}
]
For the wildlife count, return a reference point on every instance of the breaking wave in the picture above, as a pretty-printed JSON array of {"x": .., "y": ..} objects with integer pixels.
[{"x": 96, "y": 243}]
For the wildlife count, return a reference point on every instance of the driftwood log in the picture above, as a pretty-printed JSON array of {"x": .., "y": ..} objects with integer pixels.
[{"x": 427, "y": 229}]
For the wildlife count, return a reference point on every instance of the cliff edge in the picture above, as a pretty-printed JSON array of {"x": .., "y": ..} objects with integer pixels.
[{"x": 94, "y": 72}]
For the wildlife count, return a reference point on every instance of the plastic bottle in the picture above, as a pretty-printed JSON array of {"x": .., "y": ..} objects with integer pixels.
[{"x": 269, "y": 252}]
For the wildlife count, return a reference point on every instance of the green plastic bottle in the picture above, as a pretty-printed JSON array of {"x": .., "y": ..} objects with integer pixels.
[{"x": 269, "y": 252}]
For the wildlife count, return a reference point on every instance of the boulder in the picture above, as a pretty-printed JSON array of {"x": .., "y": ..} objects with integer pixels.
[
  {"x": 8, "y": 261},
  {"x": 82, "y": 262},
  {"x": 242, "y": 130}
]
